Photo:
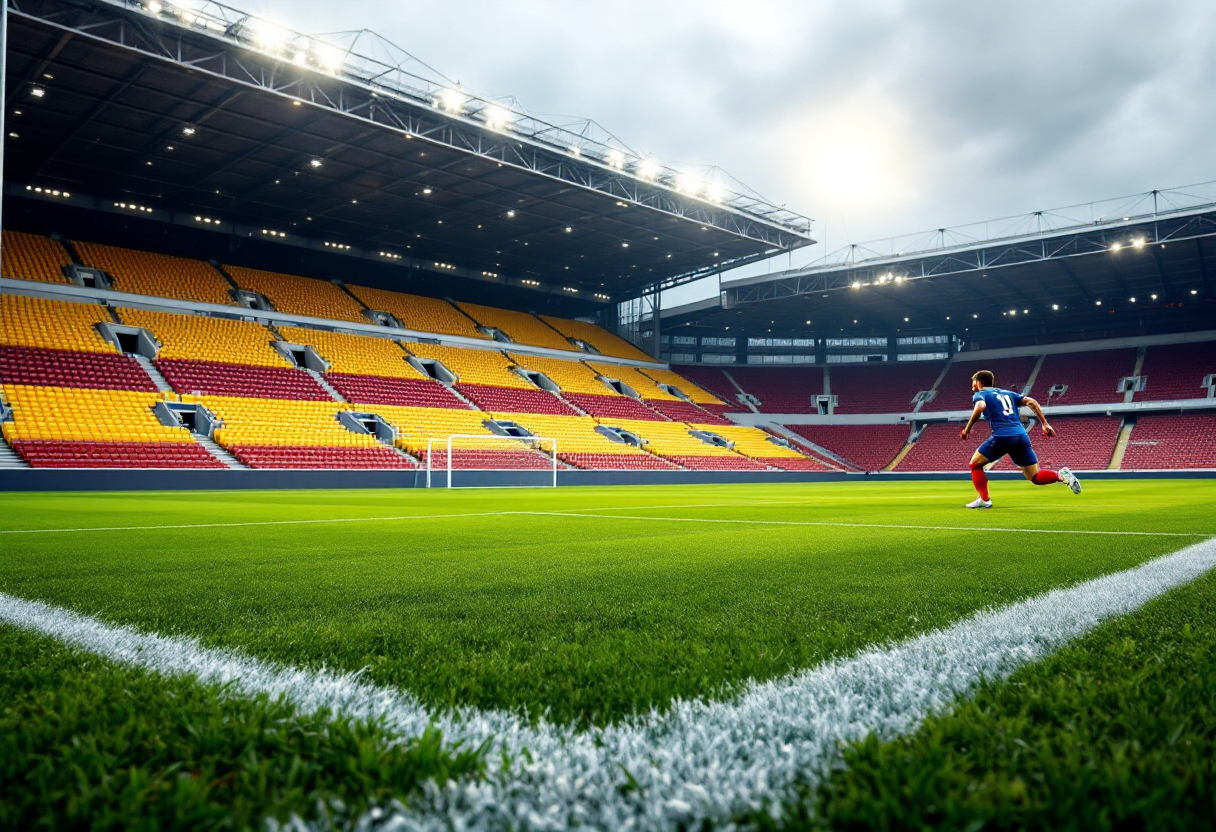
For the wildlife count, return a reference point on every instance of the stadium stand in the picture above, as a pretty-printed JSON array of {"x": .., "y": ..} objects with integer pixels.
[
  {"x": 31, "y": 257},
  {"x": 755, "y": 444},
  {"x": 715, "y": 381},
  {"x": 635, "y": 378},
  {"x": 52, "y": 324},
  {"x": 601, "y": 339},
  {"x": 520, "y": 327},
  {"x": 1083, "y": 443},
  {"x": 277, "y": 433},
  {"x": 355, "y": 355},
  {"x": 299, "y": 295},
  {"x": 212, "y": 378},
  {"x": 674, "y": 442},
  {"x": 1177, "y": 371},
  {"x": 954, "y": 391},
  {"x": 417, "y": 426},
  {"x": 570, "y": 376},
  {"x": 205, "y": 339},
  {"x": 681, "y": 411},
  {"x": 61, "y": 368},
  {"x": 938, "y": 448},
  {"x": 419, "y": 313},
  {"x": 485, "y": 377},
  {"x": 782, "y": 389},
  {"x": 866, "y": 447},
  {"x": 882, "y": 388},
  {"x": 1175, "y": 441},
  {"x": 581, "y": 446},
  {"x": 1091, "y": 377},
  {"x": 685, "y": 385},
  {"x": 56, "y": 427},
  {"x": 609, "y": 407},
  {"x": 145, "y": 273}
]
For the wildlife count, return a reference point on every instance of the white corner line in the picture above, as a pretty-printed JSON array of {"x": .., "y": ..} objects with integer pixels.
[{"x": 698, "y": 761}]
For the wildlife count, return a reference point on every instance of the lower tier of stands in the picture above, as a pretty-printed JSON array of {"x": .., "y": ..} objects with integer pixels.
[
  {"x": 43, "y": 453},
  {"x": 1186, "y": 441},
  {"x": 731, "y": 462},
  {"x": 489, "y": 459},
  {"x": 864, "y": 447},
  {"x": 616, "y": 462},
  {"x": 63, "y": 368},
  {"x": 211, "y": 378},
  {"x": 287, "y": 456},
  {"x": 1083, "y": 443}
]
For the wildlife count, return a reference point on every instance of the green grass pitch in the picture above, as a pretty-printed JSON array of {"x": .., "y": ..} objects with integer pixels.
[{"x": 587, "y": 606}]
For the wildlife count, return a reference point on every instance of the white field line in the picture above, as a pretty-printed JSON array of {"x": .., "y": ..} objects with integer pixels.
[
  {"x": 745, "y": 521},
  {"x": 698, "y": 761},
  {"x": 583, "y": 514}
]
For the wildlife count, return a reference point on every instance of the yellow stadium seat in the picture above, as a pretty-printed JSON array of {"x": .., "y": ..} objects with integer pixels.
[
  {"x": 570, "y": 376},
  {"x": 52, "y": 324},
  {"x": 416, "y": 425},
  {"x": 419, "y": 313},
  {"x": 473, "y": 366},
  {"x": 684, "y": 385},
  {"x": 355, "y": 354},
  {"x": 632, "y": 376},
  {"x": 32, "y": 257},
  {"x": 600, "y": 338},
  {"x": 299, "y": 295},
  {"x": 85, "y": 415},
  {"x": 518, "y": 326},
  {"x": 144, "y": 273},
  {"x": 201, "y": 338},
  {"x": 248, "y": 421}
]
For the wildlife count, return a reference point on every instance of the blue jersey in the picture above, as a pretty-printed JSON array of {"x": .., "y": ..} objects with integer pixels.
[{"x": 1001, "y": 410}]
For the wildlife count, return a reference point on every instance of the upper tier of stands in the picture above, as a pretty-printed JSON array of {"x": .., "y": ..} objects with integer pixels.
[
  {"x": 53, "y": 324},
  {"x": 144, "y": 273},
  {"x": 782, "y": 389},
  {"x": 31, "y": 257},
  {"x": 954, "y": 391},
  {"x": 419, "y": 313},
  {"x": 603, "y": 340},
  {"x": 571, "y": 376},
  {"x": 355, "y": 354},
  {"x": 883, "y": 388},
  {"x": 299, "y": 295},
  {"x": 1177, "y": 371},
  {"x": 63, "y": 368},
  {"x": 715, "y": 381},
  {"x": 473, "y": 366},
  {"x": 635, "y": 378},
  {"x": 520, "y": 327},
  {"x": 1090, "y": 377},
  {"x": 693, "y": 391}
]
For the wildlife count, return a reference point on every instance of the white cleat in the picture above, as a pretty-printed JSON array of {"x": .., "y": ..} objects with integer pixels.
[
  {"x": 979, "y": 502},
  {"x": 1070, "y": 479}
]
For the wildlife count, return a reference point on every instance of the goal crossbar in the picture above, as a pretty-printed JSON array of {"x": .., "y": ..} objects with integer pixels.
[{"x": 545, "y": 445}]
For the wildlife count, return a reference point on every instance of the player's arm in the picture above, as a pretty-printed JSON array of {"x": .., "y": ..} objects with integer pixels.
[
  {"x": 976, "y": 412},
  {"x": 1048, "y": 430}
]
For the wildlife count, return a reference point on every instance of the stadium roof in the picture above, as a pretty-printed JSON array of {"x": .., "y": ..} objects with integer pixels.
[
  {"x": 1089, "y": 266},
  {"x": 197, "y": 110}
]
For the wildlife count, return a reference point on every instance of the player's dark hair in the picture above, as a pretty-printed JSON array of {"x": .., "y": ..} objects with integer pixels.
[{"x": 986, "y": 378}]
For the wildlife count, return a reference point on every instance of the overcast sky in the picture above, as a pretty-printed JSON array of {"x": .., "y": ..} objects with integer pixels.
[{"x": 873, "y": 118}]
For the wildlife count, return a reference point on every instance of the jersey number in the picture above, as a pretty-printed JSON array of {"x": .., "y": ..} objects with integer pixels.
[{"x": 1007, "y": 402}]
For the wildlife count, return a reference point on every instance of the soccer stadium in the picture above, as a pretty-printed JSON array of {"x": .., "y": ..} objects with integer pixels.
[{"x": 356, "y": 474}]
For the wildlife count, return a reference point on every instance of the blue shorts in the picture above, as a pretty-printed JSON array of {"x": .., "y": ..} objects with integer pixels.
[{"x": 1018, "y": 448}]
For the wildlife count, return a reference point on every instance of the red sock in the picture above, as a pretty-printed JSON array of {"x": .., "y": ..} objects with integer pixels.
[
  {"x": 980, "y": 480},
  {"x": 1046, "y": 476}
]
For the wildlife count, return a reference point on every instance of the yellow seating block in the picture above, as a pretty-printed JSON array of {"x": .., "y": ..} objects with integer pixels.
[
  {"x": 201, "y": 338},
  {"x": 669, "y": 438},
  {"x": 356, "y": 354},
  {"x": 752, "y": 441},
  {"x": 571, "y": 376},
  {"x": 419, "y": 313},
  {"x": 144, "y": 273},
  {"x": 78, "y": 415},
  {"x": 416, "y": 425},
  {"x": 632, "y": 376},
  {"x": 689, "y": 389},
  {"x": 32, "y": 257},
  {"x": 598, "y": 337},
  {"x": 52, "y": 324},
  {"x": 299, "y": 295},
  {"x": 279, "y": 422},
  {"x": 520, "y": 327},
  {"x": 473, "y": 366},
  {"x": 574, "y": 434}
]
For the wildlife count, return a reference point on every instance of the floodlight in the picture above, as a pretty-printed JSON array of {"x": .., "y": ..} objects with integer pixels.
[
  {"x": 452, "y": 100},
  {"x": 269, "y": 36},
  {"x": 155, "y": 8},
  {"x": 1194, "y": 291},
  {"x": 690, "y": 185},
  {"x": 1055, "y": 307},
  {"x": 616, "y": 159},
  {"x": 1154, "y": 297},
  {"x": 1097, "y": 303},
  {"x": 856, "y": 284},
  {"x": 37, "y": 92},
  {"x": 187, "y": 131},
  {"x": 1116, "y": 246},
  {"x": 647, "y": 169},
  {"x": 496, "y": 117},
  {"x": 329, "y": 57},
  {"x": 1138, "y": 242},
  {"x": 314, "y": 163},
  {"x": 300, "y": 58},
  {"x": 1133, "y": 300}
]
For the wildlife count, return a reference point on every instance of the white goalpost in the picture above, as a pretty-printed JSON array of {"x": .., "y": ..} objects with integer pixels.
[{"x": 532, "y": 457}]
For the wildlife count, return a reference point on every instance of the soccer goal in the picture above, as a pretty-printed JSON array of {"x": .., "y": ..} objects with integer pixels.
[{"x": 465, "y": 460}]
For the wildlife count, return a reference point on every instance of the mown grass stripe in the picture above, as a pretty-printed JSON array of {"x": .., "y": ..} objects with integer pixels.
[{"x": 698, "y": 761}]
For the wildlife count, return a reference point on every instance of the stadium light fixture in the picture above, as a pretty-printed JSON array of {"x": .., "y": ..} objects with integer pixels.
[
  {"x": 1025, "y": 311},
  {"x": 715, "y": 193},
  {"x": 1116, "y": 246},
  {"x": 905, "y": 320},
  {"x": 855, "y": 285},
  {"x": 974, "y": 316},
  {"x": 426, "y": 190},
  {"x": 647, "y": 169},
  {"x": 188, "y": 131},
  {"x": 314, "y": 163},
  {"x": 269, "y": 36},
  {"x": 1154, "y": 297},
  {"x": 155, "y": 8},
  {"x": 1055, "y": 307},
  {"x": 1097, "y": 303},
  {"x": 568, "y": 229},
  {"x": 1132, "y": 300},
  {"x": 496, "y": 117},
  {"x": 1194, "y": 291},
  {"x": 689, "y": 185},
  {"x": 511, "y": 213},
  {"x": 616, "y": 159},
  {"x": 1138, "y": 242},
  {"x": 329, "y": 57},
  {"x": 451, "y": 100},
  {"x": 37, "y": 92}
]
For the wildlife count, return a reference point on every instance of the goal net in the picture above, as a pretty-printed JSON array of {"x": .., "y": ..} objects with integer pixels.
[{"x": 490, "y": 461}]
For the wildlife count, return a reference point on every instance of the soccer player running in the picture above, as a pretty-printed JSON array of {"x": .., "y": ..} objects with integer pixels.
[{"x": 1000, "y": 408}]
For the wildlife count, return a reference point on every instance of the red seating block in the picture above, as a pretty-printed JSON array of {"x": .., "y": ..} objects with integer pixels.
[
  {"x": 882, "y": 388},
  {"x": 287, "y": 456},
  {"x": 793, "y": 463},
  {"x": 47, "y": 453},
  {"x": 614, "y": 407},
  {"x": 617, "y": 462},
  {"x": 1164, "y": 442},
  {"x": 406, "y": 392},
  {"x": 1091, "y": 377},
  {"x": 63, "y": 368},
  {"x": 717, "y": 463},
  {"x": 713, "y": 380},
  {"x": 686, "y": 412},
  {"x": 211, "y": 378},
  {"x": 514, "y": 400},
  {"x": 866, "y": 447},
  {"x": 488, "y": 459},
  {"x": 782, "y": 389},
  {"x": 954, "y": 393},
  {"x": 1176, "y": 371}
]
